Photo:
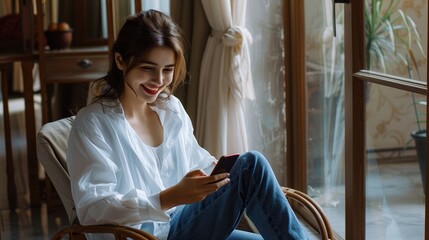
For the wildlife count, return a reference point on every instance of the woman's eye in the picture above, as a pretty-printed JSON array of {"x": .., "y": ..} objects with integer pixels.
[
  {"x": 168, "y": 70},
  {"x": 147, "y": 68}
]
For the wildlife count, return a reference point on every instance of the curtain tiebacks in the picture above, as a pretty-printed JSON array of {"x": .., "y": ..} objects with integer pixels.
[
  {"x": 239, "y": 39},
  {"x": 234, "y": 37}
]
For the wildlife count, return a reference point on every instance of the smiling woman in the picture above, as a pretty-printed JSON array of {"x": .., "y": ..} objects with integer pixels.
[
  {"x": 133, "y": 159},
  {"x": 143, "y": 56},
  {"x": 153, "y": 74}
]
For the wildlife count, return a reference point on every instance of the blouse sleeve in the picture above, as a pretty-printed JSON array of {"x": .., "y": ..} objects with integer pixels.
[
  {"x": 200, "y": 158},
  {"x": 94, "y": 178}
]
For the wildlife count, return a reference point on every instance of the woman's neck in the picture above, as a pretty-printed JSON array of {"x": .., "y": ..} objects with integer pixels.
[
  {"x": 144, "y": 121},
  {"x": 134, "y": 107}
]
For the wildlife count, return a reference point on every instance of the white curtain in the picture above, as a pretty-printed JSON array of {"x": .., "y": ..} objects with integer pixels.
[
  {"x": 333, "y": 115},
  {"x": 225, "y": 79},
  {"x": 162, "y": 5}
]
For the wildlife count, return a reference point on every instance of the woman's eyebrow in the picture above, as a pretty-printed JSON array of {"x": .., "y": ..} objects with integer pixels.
[{"x": 155, "y": 64}]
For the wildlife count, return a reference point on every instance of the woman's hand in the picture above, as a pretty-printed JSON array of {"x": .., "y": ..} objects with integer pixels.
[{"x": 195, "y": 186}]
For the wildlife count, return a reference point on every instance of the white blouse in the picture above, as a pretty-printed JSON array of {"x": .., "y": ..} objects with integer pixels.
[{"x": 116, "y": 178}]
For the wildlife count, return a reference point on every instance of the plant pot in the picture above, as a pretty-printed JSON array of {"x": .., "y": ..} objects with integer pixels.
[{"x": 420, "y": 141}]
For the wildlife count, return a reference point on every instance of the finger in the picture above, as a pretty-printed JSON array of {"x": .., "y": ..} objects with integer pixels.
[
  {"x": 213, "y": 187},
  {"x": 223, "y": 182},
  {"x": 219, "y": 183},
  {"x": 217, "y": 177},
  {"x": 196, "y": 173}
]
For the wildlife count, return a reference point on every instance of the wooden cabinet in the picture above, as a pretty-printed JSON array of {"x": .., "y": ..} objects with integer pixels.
[{"x": 76, "y": 64}]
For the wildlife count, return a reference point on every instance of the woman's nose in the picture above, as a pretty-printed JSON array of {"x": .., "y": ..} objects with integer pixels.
[{"x": 158, "y": 78}]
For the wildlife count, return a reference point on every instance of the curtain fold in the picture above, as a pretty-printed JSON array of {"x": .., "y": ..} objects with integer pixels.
[
  {"x": 6, "y": 7},
  {"x": 190, "y": 16},
  {"x": 225, "y": 79}
]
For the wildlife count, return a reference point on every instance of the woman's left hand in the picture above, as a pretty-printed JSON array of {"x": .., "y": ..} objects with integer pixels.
[{"x": 195, "y": 186}]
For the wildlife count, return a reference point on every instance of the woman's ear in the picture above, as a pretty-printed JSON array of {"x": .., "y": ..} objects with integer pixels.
[{"x": 118, "y": 61}]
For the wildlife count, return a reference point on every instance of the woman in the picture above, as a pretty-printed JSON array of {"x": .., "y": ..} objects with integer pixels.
[{"x": 133, "y": 158}]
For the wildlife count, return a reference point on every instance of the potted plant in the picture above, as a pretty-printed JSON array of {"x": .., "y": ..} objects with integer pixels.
[
  {"x": 390, "y": 37},
  {"x": 391, "y": 40},
  {"x": 419, "y": 137}
]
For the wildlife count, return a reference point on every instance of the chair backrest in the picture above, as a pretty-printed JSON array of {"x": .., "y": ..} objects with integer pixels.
[{"x": 51, "y": 152}]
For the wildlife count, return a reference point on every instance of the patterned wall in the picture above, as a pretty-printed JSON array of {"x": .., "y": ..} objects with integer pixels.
[{"x": 390, "y": 113}]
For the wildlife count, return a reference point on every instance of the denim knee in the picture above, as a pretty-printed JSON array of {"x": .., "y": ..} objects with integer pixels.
[{"x": 254, "y": 158}]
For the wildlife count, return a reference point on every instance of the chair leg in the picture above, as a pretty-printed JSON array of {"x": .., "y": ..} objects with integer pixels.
[
  {"x": 11, "y": 186},
  {"x": 30, "y": 133}
]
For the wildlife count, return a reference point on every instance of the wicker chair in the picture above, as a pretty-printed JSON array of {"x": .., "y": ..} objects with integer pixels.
[{"x": 51, "y": 152}]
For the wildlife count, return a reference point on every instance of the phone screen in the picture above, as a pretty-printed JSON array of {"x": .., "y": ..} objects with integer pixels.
[{"x": 225, "y": 164}]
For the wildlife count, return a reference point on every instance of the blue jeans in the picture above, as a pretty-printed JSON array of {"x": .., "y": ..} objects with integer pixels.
[{"x": 253, "y": 188}]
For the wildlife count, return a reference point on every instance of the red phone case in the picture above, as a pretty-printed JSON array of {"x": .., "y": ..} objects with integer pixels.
[{"x": 225, "y": 164}]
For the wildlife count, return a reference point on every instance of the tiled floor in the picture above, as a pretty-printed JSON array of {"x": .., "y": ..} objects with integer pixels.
[
  {"x": 37, "y": 224},
  {"x": 394, "y": 203}
]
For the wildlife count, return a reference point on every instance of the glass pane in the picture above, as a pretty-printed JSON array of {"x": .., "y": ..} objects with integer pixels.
[
  {"x": 96, "y": 25},
  {"x": 125, "y": 8},
  {"x": 396, "y": 37},
  {"x": 266, "y": 116},
  {"x": 394, "y": 190},
  {"x": 122, "y": 10},
  {"x": 325, "y": 109},
  {"x": 89, "y": 25}
]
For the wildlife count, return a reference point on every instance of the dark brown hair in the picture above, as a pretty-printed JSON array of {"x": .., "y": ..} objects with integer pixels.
[{"x": 139, "y": 34}]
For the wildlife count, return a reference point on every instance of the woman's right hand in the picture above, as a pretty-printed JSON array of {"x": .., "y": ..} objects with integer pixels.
[{"x": 195, "y": 186}]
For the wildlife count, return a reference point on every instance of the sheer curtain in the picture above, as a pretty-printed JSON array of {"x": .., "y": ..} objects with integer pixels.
[
  {"x": 225, "y": 79},
  {"x": 333, "y": 116},
  {"x": 266, "y": 116}
]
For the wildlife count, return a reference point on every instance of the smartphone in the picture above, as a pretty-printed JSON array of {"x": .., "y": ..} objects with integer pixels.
[{"x": 225, "y": 164}]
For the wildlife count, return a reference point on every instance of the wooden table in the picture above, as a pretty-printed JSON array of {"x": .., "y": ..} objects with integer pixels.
[{"x": 27, "y": 60}]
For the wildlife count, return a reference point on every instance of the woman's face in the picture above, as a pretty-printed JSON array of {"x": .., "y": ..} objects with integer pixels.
[{"x": 152, "y": 74}]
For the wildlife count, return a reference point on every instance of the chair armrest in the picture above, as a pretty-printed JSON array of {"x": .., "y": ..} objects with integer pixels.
[
  {"x": 315, "y": 209},
  {"x": 124, "y": 232},
  {"x": 120, "y": 232}
]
